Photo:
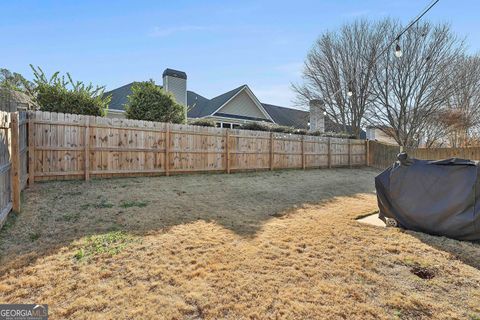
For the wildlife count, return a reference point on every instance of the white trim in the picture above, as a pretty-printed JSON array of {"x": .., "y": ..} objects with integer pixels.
[
  {"x": 115, "y": 110},
  {"x": 252, "y": 96}
]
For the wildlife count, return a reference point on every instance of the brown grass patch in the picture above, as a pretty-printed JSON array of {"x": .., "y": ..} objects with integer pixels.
[{"x": 259, "y": 245}]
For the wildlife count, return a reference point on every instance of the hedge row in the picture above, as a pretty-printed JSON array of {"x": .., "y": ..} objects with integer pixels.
[{"x": 258, "y": 126}]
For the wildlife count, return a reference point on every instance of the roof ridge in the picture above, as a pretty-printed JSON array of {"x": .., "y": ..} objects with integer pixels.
[
  {"x": 125, "y": 85},
  {"x": 274, "y": 105},
  {"x": 229, "y": 91}
]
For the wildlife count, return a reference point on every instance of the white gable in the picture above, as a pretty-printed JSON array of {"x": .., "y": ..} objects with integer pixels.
[{"x": 243, "y": 105}]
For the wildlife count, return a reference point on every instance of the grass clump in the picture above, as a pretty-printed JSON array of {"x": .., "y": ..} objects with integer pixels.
[
  {"x": 100, "y": 205},
  {"x": 11, "y": 219},
  {"x": 103, "y": 204},
  {"x": 133, "y": 203},
  {"x": 71, "y": 217},
  {"x": 110, "y": 243},
  {"x": 34, "y": 236}
]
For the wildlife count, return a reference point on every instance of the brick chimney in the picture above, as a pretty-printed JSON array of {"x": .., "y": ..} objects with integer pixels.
[{"x": 317, "y": 116}]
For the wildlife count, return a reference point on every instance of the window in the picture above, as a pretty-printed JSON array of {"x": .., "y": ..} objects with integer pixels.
[{"x": 226, "y": 125}]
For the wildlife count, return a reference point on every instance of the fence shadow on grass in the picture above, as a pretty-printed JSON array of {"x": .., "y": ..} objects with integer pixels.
[
  {"x": 466, "y": 251},
  {"x": 58, "y": 213}
]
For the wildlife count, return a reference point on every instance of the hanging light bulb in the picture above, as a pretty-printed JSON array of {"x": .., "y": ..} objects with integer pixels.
[
  {"x": 350, "y": 91},
  {"x": 398, "y": 51}
]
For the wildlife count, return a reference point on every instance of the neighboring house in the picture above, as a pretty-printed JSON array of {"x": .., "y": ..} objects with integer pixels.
[
  {"x": 376, "y": 134},
  {"x": 230, "y": 109},
  {"x": 12, "y": 100}
]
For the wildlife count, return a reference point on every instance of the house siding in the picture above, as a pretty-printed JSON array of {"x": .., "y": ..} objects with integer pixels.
[
  {"x": 242, "y": 105},
  {"x": 178, "y": 87},
  {"x": 379, "y": 135}
]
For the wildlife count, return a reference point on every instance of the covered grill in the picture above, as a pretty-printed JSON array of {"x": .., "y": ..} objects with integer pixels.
[{"x": 437, "y": 197}]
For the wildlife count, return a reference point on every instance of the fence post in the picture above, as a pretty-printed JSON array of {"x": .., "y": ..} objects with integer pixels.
[
  {"x": 31, "y": 151},
  {"x": 271, "y": 151},
  {"x": 367, "y": 153},
  {"x": 329, "y": 153},
  {"x": 349, "y": 153},
  {"x": 15, "y": 158},
  {"x": 227, "y": 150},
  {"x": 87, "y": 148},
  {"x": 303, "y": 152},
  {"x": 167, "y": 150}
]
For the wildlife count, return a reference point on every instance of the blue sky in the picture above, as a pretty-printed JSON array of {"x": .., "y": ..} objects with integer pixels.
[{"x": 220, "y": 44}]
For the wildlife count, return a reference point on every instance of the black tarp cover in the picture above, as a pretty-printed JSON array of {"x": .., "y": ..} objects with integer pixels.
[{"x": 436, "y": 197}]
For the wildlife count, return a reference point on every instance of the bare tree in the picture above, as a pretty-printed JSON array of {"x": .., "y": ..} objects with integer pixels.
[
  {"x": 464, "y": 103},
  {"x": 438, "y": 128},
  {"x": 411, "y": 91},
  {"x": 342, "y": 62}
]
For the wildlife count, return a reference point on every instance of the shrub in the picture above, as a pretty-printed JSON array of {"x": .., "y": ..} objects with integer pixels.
[
  {"x": 258, "y": 126},
  {"x": 316, "y": 133},
  {"x": 283, "y": 129},
  {"x": 300, "y": 132},
  {"x": 60, "y": 94},
  {"x": 341, "y": 135},
  {"x": 203, "y": 123},
  {"x": 150, "y": 102}
]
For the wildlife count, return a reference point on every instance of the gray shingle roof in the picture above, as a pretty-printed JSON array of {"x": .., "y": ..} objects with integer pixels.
[
  {"x": 119, "y": 96},
  {"x": 288, "y": 117},
  {"x": 197, "y": 104},
  {"x": 299, "y": 119}
]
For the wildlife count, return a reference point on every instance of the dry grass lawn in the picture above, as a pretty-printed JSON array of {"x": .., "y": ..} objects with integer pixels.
[{"x": 268, "y": 245}]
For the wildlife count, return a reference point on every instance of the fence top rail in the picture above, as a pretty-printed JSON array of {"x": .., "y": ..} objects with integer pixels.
[{"x": 441, "y": 149}]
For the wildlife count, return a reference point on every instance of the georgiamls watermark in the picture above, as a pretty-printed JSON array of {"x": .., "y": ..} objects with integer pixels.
[{"x": 23, "y": 312}]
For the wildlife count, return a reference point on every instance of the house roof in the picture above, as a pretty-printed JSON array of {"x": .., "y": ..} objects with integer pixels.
[
  {"x": 199, "y": 106},
  {"x": 119, "y": 96},
  {"x": 287, "y": 116}
]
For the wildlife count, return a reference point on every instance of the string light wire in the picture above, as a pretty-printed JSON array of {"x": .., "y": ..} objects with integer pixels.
[{"x": 396, "y": 39}]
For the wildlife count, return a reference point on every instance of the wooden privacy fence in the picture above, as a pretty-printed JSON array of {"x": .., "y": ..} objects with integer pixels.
[
  {"x": 66, "y": 146},
  {"x": 381, "y": 155},
  {"x": 13, "y": 161},
  {"x": 472, "y": 153}
]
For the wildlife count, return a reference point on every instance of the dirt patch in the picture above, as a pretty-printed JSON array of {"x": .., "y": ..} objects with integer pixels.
[
  {"x": 423, "y": 273},
  {"x": 242, "y": 246}
]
